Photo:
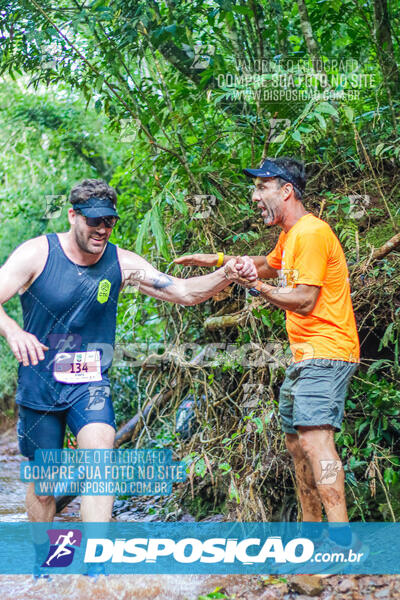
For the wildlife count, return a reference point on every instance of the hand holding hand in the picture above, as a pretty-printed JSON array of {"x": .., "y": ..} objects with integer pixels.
[
  {"x": 241, "y": 270},
  {"x": 246, "y": 268}
]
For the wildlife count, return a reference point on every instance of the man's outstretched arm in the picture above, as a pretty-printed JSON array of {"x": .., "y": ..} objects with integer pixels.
[
  {"x": 194, "y": 290},
  {"x": 264, "y": 269}
]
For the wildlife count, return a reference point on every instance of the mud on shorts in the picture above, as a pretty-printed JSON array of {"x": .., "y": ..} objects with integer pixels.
[
  {"x": 313, "y": 393},
  {"x": 45, "y": 429}
]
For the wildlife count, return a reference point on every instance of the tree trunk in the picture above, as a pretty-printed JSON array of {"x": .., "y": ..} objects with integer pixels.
[
  {"x": 384, "y": 45},
  {"x": 258, "y": 13},
  {"x": 311, "y": 43},
  {"x": 129, "y": 431},
  {"x": 282, "y": 36}
]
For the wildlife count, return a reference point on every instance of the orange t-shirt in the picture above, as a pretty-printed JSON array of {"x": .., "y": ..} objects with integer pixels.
[{"x": 310, "y": 253}]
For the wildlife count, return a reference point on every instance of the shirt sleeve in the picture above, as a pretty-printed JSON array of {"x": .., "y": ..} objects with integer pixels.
[
  {"x": 274, "y": 258},
  {"x": 311, "y": 257}
]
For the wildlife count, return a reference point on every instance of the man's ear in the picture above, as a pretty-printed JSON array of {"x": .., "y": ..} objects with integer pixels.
[
  {"x": 71, "y": 216},
  {"x": 287, "y": 190}
]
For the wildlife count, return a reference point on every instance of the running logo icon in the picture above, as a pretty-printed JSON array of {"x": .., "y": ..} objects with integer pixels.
[
  {"x": 62, "y": 547},
  {"x": 97, "y": 397}
]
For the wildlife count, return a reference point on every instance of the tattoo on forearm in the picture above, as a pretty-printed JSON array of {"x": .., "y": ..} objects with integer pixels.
[{"x": 162, "y": 281}]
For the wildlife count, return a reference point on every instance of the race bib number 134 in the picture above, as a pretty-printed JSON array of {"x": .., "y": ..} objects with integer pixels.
[{"x": 77, "y": 367}]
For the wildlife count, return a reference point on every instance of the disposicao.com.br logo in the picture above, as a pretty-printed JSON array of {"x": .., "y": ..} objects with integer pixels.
[{"x": 190, "y": 550}]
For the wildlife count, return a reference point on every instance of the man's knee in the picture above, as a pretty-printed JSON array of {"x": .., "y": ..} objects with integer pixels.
[
  {"x": 307, "y": 446},
  {"x": 316, "y": 440},
  {"x": 96, "y": 436},
  {"x": 293, "y": 445},
  {"x": 45, "y": 500},
  {"x": 310, "y": 444}
]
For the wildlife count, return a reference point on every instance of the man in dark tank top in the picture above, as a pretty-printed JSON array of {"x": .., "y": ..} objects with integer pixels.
[{"x": 69, "y": 284}]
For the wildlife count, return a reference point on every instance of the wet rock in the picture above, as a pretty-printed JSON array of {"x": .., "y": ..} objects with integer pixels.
[
  {"x": 383, "y": 593},
  {"x": 310, "y": 585},
  {"x": 275, "y": 587},
  {"x": 187, "y": 518},
  {"x": 370, "y": 583},
  {"x": 120, "y": 506},
  {"x": 269, "y": 595},
  {"x": 149, "y": 518},
  {"x": 266, "y": 580},
  {"x": 213, "y": 519},
  {"x": 346, "y": 585}
]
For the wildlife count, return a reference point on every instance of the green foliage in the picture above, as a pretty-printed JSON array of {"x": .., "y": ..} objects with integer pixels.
[
  {"x": 369, "y": 447},
  {"x": 143, "y": 70},
  {"x": 215, "y": 595},
  {"x": 391, "y": 338}
]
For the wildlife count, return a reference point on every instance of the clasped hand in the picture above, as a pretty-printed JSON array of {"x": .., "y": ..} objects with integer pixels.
[{"x": 241, "y": 270}]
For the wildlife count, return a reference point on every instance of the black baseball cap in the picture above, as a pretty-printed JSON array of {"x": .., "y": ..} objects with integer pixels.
[
  {"x": 270, "y": 169},
  {"x": 97, "y": 207}
]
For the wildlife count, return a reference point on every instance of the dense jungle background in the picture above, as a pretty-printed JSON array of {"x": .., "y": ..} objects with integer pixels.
[{"x": 167, "y": 101}]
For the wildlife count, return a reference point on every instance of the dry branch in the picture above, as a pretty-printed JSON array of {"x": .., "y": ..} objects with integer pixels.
[
  {"x": 378, "y": 254},
  {"x": 130, "y": 430},
  {"x": 387, "y": 247},
  {"x": 224, "y": 321}
]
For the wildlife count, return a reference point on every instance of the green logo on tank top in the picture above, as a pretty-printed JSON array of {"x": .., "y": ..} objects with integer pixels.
[{"x": 103, "y": 291}]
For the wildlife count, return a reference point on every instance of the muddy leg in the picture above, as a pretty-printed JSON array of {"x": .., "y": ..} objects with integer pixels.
[
  {"x": 318, "y": 446},
  {"x": 309, "y": 497}
]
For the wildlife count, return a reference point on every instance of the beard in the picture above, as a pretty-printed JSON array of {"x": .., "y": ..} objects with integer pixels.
[
  {"x": 83, "y": 240},
  {"x": 270, "y": 215}
]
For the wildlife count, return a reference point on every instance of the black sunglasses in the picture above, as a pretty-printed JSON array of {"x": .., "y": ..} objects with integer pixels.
[{"x": 109, "y": 222}]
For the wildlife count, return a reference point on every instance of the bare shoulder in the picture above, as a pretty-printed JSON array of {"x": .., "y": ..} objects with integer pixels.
[
  {"x": 31, "y": 250},
  {"x": 123, "y": 255},
  {"x": 30, "y": 257}
]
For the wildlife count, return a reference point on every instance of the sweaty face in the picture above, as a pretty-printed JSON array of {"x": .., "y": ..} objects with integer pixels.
[
  {"x": 91, "y": 239},
  {"x": 268, "y": 195}
]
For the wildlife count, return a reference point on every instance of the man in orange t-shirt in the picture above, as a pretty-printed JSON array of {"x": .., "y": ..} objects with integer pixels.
[{"x": 314, "y": 290}]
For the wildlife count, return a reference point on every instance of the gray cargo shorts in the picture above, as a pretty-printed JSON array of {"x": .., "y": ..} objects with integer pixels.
[{"x": 313, "y": 393}]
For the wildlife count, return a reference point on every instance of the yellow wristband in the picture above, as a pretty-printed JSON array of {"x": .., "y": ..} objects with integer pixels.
[{"x": 220, "y": 260}]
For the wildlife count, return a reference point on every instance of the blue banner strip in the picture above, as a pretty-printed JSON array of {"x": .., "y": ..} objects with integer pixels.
[{"x": 204, "y": 548}]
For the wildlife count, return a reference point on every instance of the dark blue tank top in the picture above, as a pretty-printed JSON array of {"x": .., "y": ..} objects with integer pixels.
[{"x": 69, "y": 308}]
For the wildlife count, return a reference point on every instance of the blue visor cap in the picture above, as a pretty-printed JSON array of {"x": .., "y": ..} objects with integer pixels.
[
  {"x": 97, "y": 207},
  {"x": 270, "y": 169}
]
